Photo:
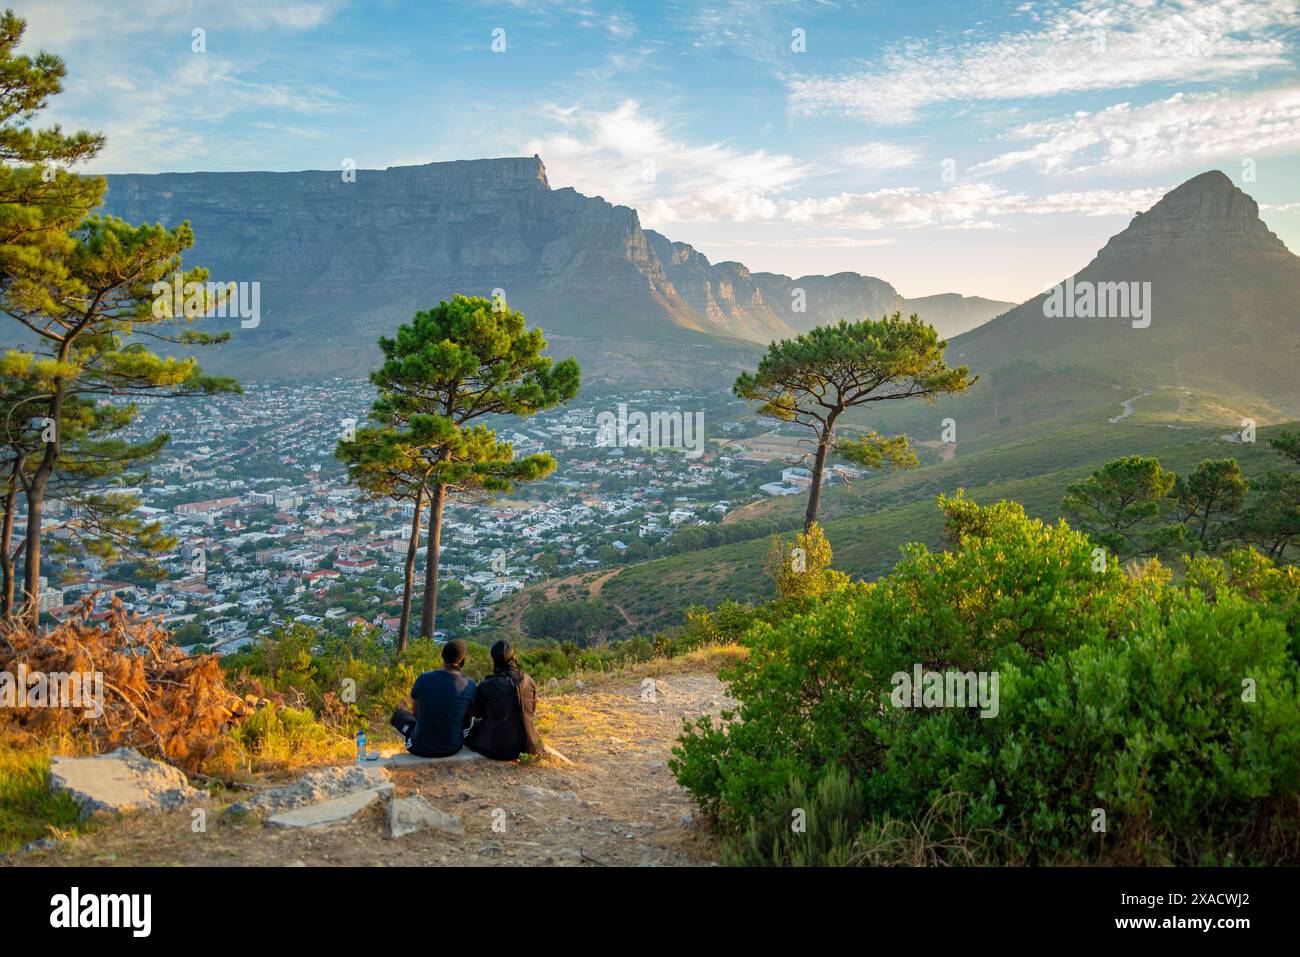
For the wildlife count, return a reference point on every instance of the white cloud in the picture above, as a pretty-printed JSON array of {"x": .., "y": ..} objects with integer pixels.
[
  {"x": 963, "y": 206},
  {"x": 631, "y": 158},
  {"x": 70, "y": 22},
  {"x": 1095, "y": 45},
  {"x": 1182, "y": 130}
]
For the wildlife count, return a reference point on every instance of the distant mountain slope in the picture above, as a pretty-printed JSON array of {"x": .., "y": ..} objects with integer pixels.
[
  {"x": 1225, "y": 304},
  {"x": 953, "y": 314},
  {"x": 342, "y": 262}
]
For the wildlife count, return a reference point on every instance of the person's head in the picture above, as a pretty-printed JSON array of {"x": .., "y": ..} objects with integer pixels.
[
  {"x": 503, "y": 656},
  {"x": 453, "y": 653}
]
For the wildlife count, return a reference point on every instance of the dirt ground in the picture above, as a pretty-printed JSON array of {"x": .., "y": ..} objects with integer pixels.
[{"x": 616, "y": 804}]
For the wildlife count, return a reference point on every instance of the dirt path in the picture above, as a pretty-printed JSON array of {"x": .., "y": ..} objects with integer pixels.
[{"x": 617, "y": 804}]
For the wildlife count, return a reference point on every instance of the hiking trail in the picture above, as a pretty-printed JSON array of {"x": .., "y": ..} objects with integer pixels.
[{"x": 616, "y": 804}]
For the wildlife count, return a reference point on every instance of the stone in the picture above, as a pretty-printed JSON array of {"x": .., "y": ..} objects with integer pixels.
[
  {"x": 529, "y": 790},
  {"x": 401, "y": 759},
  {"x": 40, "y": 844},
  {"x": 121, "y": 782},
  {"x": 410, "y": 814},
  {"x": 334, "y": 811},
  {"x": 315, "y": 787}
]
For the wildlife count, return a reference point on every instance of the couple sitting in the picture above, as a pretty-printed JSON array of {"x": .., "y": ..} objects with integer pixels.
[{"x": 494, "y": 717}]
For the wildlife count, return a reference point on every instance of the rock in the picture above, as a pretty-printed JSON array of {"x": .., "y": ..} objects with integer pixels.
[
  {"x": 120, "y": 782},
  {"x": 315, "y": 787},
  {"x": 40, "y": 844},
  {"x": 403, "y": 759},
  {"x": 410, "y": 814},
  {"x": 491, "y": 849},
  {"x": 553, "y": 683},
  {"x": 687, "y": 819},
  {"x": 579, "y": 684},
  {"x": 333, "y": 811},
  {"x": 534, "y": 792}
]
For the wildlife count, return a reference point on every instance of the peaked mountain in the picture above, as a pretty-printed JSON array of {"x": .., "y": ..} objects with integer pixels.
[
  {"x": 340, "y": 263},
  {"x": 1220, "y": 291}
]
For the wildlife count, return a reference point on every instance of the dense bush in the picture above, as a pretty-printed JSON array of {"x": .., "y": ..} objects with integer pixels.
[{"x": 1171, "y": 708}]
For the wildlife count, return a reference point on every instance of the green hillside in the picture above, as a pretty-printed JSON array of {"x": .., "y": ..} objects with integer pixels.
[{"x": 871, "y": 520}]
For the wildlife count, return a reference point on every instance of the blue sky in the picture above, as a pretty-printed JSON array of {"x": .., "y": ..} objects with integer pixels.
[{"x": 982, "y": 148}]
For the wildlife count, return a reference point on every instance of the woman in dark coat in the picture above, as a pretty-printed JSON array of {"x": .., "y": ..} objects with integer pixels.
[{"x": 504, "y": 704}]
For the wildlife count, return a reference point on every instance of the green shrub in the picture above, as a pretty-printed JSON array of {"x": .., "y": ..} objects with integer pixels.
[
  {"x": 1117, "y": 694},
  {"x": 805, "y": 829}
]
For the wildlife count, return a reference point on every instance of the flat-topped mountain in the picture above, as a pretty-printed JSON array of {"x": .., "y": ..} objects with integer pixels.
[
  {"x": 1213, "y": 304},
  {"x": 344, "y": 258}
]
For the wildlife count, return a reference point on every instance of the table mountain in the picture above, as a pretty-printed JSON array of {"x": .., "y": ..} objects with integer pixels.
[{"x": 341, "y": 262}]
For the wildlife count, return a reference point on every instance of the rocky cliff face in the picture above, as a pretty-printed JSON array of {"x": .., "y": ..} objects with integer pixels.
[
  {"x": 341, "y": 262},
  {"x": 1206, "y": 214}
]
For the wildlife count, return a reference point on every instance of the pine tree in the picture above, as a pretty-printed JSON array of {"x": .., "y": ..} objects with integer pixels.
[
  {"x": 813, "y": 379},
  {"x": 453, "y": 364},
  {"x": 89, "y": 320}
]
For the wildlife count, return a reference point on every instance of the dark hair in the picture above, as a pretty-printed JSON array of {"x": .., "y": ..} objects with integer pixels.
[
  {"x": 503, "y": 657},
  {"x": 454, "y": 652}
]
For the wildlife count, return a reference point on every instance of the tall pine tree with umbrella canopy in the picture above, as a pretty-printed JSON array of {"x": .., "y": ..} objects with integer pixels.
[
  {"x": 813, "y": 379},
  {"x": 451, "y": 365}
]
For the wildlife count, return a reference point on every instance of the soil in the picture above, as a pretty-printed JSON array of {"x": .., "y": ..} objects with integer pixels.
[{"x": 616, "y": 804}]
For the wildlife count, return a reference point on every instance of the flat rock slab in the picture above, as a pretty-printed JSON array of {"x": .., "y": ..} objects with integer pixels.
[
  {"x": 316, "y": 787},
  {"x": 403, "y": 759},
  {"x": 410, "y": 814},
  {"x": 121, "y": 782},
  {"x": 334, "y": 811}
]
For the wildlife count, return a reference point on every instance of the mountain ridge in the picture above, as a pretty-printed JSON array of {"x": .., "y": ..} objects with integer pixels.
[
  {"x": 1224, "y": 304},
  {"x": 343, "y": 257}
]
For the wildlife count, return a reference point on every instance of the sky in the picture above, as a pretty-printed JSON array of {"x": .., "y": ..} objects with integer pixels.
[{"x": 983, "y": 148}]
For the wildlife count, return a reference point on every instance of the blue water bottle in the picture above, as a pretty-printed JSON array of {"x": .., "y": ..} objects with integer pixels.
[{"x": 361, "y": 746}]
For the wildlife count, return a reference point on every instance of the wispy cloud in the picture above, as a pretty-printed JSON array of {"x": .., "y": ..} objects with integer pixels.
[
  {"x": 632, "y": 158},
  {"x": 1096, "y": 45},
  {"x": 1184, "y": 129},
  {"x": 879, "y": 157},
  {"x": 963, "y": 206},
  {"x": 77, "y": 21}
]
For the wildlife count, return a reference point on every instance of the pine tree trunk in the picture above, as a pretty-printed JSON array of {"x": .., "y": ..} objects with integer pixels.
[
  {"x": 408, "y": 578},
  {"x": 35, "y": 510},
  {"x": 815, "y": 493},
  {"x": 427, "y": 613},
  {"x": 32, "y": 560},
  {"x": 6, "y": 543}
]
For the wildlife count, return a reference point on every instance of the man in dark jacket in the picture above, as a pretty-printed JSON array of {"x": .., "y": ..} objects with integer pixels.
[
  {"x": 504, "y": 705},
  {"x": 442, "y": 703}
]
